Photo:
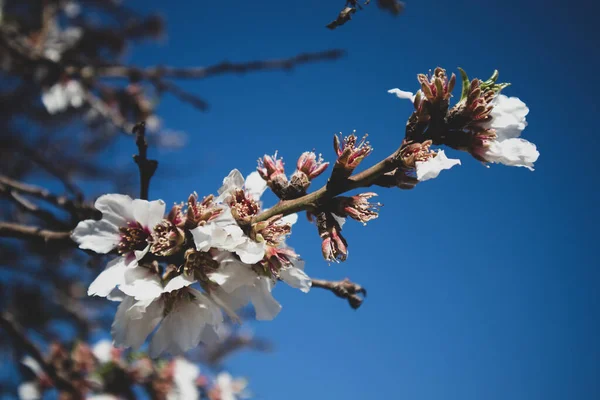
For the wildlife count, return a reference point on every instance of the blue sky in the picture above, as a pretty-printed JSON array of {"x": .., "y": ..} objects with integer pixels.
[{"x": 482, "y": 283}]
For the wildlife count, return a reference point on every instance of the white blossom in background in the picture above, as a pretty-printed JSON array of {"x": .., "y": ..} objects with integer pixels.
[
  {"x": 508, "y": 120},
  {"x": 228, "y": 388},
  {"x": 432, "y": 167},
  {"x": 61, "y": 96},
  {"x": 103, "y": 351},
  {"x": 185, "y": 376},
  {"x": 29, "y": 391}
]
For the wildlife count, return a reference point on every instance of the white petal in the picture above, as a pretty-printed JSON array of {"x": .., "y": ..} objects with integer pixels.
[
  {"x": 141, "y": 283},
  {"x": 115, "y": 208},
  {"x": 340, "y": 220},
  {"x": 290, "y": 219},
  {"x": 113, "y": 275},
  {"x": 255, "y": 185},
  {"x": 148, "y": 213},
  {"x": 250, "y": 252},
  {"x": 131, "y": 326},
  {"x": 29, "y": 391},
  {"x": 182, "y": 328},
  {"x": 513, "y": 152},
  {"x": 233, "y": 181},
  {"x": 402, "y": 94},
  {"x": 99, "y": 236},
  {"x": 265, "y": 305},
  {"x": 508, "y": 117},
  {"x": 431, "y": 168},
  {"x": 296, "y": 278},
  {"x": 179, "y": 282}
]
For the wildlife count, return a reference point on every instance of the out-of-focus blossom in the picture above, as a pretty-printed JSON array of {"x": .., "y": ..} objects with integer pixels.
[{"x": 61, "y": 96}]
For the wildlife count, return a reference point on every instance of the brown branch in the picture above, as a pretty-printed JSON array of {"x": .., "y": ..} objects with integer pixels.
[
  {"x": 18, "y": 231},
  {"x": 32, "y": 208},
  {"x": 344, "y": 289},
  {"x": 226, "y": 67},
  {"x": 147, "y": 167},
  {"x": 313, "y": 200},
  {"x": 11, "y": 327},
  {"x": 64, "y": 202}
]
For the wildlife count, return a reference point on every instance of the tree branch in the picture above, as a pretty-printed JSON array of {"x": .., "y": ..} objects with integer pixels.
[
  {"x": 147, "y": 167},
  {"x": 365, "y": 178},
  {"x": 20, "y": 339},
  {"x": 344, "y": 289},
  {"x": 226, "y": 67},
  {"x": 18, "y": 231}
]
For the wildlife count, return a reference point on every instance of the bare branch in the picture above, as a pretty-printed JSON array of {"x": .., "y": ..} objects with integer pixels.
[
  {"x": 147, "y": 167},
  {"x": 18, "y": 231},
  {"x": 20, "y": 340},
  {"x": 224, "y": 67},
  {"x": 344, "y": 289}
]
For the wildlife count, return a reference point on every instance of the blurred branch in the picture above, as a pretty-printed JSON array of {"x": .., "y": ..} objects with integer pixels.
[
  {"x": 217, "y": 353},
  {"x": 226, "y": 67},
  {"x": 32, "y": 208},
  {"x": 395, "y": 7},
  {"x": 147, "y": 167},
  {"x": 11, "y": 327},
  {"x": 73, "y": 207},
  {"x": 344, "y": 289},
  {"x": 18, "y": 231}
]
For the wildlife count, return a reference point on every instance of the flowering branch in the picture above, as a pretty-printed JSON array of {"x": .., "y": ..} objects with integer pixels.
[
  {"x": 344, "y": 289},
  {"x": 11, "y": 327}
]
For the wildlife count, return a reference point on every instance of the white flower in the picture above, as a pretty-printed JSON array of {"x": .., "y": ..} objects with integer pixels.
[
  {"x": 433, "y": 166},
  {"x": 239, "y": 285},
  {"x": 186, "y": 317},
  {"x": 508, "y": 120},
  {"x": 224, "y": 233},
  {"x": 229, "y": 388},
  {"x": 185, "y": 375},
  {"x": 120, "y": 212},
  {"x": 126, "y": 224},
  {"x": 254, "y": 185},
  {"x": 61, "y": 96},
  {"x": 402, "y": 94},
  {"x": 29, "y": 391}
]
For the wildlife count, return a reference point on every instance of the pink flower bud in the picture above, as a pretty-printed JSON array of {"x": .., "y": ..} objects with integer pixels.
[
  {"x": 350, "y": 152},
  {"x": 334, "y": 247},
  {"x": 310, "y": 165},
  {"x": 358, "y": 207},
  {"x": 270, "y": 166}
]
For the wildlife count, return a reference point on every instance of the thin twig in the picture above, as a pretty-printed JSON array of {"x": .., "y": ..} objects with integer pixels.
[
  {"x": 312, "y": 200},
  {"x": 18, "y": 231},
  {"x": 344, "y": 289},
  {"x": 121, "y": 71},
  {"x": 41, "y": 193},
  {"x": 146, "y": 167},
  {"x": 20, "y": 339}
]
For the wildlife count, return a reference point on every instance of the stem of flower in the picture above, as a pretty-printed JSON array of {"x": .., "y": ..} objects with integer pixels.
[{"x": 146, "y": 167}]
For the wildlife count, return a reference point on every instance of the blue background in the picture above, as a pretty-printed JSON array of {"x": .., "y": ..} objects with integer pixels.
[{"x": 482, "y": 283}]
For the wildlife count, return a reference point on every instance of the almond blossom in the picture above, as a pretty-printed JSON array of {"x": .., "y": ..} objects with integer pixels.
[
  {"x": 499, "y": 142},
  {"x": 432, "y": 167},
  {"x": 184, "y": 316},
  {"x": 126, "y": 226},
  {"x": 227, "y": 388}
]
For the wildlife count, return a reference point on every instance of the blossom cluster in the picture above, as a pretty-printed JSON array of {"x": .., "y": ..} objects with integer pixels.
[
  {"x": 184, "y": 271},
  {"x": 484, "y": 122},
  {"x": 103, "y": 372}
]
